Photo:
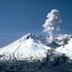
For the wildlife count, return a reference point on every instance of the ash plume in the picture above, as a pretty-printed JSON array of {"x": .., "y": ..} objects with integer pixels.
[{"x": 52, "y": 24}]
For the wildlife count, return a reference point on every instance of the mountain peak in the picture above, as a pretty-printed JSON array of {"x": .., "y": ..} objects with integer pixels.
[{"x": 29, "y": 35}]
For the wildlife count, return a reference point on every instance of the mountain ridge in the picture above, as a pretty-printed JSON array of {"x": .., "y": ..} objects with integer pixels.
[{"x": 30, "y": 47}]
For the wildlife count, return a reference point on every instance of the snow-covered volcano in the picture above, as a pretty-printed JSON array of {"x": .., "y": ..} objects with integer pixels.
[
  {"x": 32, "y": 47},
  {"x": 28, "y": 47}
]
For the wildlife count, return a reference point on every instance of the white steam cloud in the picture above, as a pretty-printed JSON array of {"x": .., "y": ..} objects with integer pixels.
[{"x": 51, "y": 24}]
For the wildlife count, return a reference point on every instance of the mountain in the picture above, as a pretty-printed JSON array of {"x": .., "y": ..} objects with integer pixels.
[
  {"x": 32, "y": 53},
  {"x": 32, "y": 47},
  {"x": 28, "y": 47}
]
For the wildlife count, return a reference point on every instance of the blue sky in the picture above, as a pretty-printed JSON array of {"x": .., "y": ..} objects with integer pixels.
[{"x": 18, "y": 17}]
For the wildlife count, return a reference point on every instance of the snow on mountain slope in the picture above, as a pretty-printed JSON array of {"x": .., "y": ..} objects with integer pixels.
[
  {"x": 32, "y": 47},
  {"x": 62, "y": 39},
  {"x": 28, "y": 47},
  {"x": 66, "y": 49}
]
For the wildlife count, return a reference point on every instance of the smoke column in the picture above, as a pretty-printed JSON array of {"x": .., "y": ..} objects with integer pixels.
[{"x": 52, "y": 24}]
